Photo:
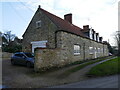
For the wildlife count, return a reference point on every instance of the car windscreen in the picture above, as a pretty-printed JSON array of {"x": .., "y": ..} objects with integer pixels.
[{"x": 29, "y": 55}]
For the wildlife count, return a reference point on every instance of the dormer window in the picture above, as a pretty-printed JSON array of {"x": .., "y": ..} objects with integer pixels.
[
  {"x": 90, "y": 34},
  {"x": 95, "y": 36},
  {"x": 38, "y": 24}
]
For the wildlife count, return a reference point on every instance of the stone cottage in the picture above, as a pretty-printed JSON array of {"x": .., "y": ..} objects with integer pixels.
[{"x": 59, "y": 41}]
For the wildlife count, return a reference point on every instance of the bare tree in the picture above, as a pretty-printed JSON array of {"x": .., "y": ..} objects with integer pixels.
[
  {"x": 8, "y": 36},
  {"x": 117, "y": 40},
  {"x": 11, "y": 43}
]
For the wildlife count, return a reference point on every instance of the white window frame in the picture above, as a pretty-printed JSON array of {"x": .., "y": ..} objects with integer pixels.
[
  {"x": 39, "y": 44},
  {"x": 90, "y": 34},
  {"x": 91, "y": 51},
  {"x": 76, "y": 49},
  {"x": 38, "y": 24},
  {"x": 99, "y": 50},
  {"x": 105, "y": 50},
  {"x": 95, "y": 36},
  {"x": 98, "y": 38}
]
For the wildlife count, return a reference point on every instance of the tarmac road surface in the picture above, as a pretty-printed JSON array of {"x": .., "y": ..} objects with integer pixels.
[
  {"x": 101, "y": 82},
  {"x": 23, "y": 77}
]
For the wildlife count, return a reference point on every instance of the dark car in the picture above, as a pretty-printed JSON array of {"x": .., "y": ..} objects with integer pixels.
[{"x": 23, "y": 58}]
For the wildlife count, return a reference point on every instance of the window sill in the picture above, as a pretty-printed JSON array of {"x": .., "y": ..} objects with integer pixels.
[
  {"x": 38, "y": 27},
  {"x": 91, "y": 53},
  {"x": 76, "y": 54}
]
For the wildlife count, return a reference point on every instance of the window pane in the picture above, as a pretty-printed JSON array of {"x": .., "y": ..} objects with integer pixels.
[
  {"x": 91, "y": 50},
  {"x": 38, "y": 24},
  {"x": 76, "y": 49}
]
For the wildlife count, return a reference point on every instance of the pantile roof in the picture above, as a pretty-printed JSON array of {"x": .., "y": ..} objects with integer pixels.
[{"x": 63, "y": 24}]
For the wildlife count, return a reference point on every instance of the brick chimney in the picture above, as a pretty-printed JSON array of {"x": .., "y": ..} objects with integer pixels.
[
  {"x": 68, "y": 17},
  {"x": 97, "y": 37},
  {"x": 93, "y": 36},
  {"x": 100, "y": 39},
  {"x": 85, "y": 27}
]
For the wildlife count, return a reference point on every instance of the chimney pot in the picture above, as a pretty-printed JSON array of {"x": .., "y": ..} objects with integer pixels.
[{"x": 39, "y": 6}]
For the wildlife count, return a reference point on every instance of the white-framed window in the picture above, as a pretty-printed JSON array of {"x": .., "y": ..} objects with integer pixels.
[
  {"x": 105, "y": 50},
  {"x": 38, "y": 24},
  {"x": 76, "y": 49},
  {"x": 91, "y": 51},
  {"x": 95, "y": 50},
  {"x": 99, "y": 50},
  {"x": 91, "y": 32},
  {"x": 95, "y": 36},
  {"x": 98, "y": 38}
]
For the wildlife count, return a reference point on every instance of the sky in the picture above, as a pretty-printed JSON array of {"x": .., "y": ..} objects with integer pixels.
[{"x": 101, "y": 15}]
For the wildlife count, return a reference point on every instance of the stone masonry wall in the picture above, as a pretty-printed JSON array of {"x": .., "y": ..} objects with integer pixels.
[
  {"x": 67, "y": 41},
  {"x": 45, "y": 32},
  {"x": 64, "y": 53},
  {"x": 47, "y": 58}
]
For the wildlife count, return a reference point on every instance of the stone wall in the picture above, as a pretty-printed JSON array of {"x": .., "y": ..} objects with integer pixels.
[
  {"x": 66, "y": 42},
  {"x": 60, "y": 45},
  {"x": 45, "y": 32},
  {"x": 47, "y": 58},
  {"x": 64, "y": 53},
  {"x": 5, "y": 55}
]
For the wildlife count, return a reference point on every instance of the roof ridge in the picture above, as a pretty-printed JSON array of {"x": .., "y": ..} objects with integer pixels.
[
  {"x": 50, "y": 13},
  {"x": 59, "y": 17},
  {"x": 63, "y": 24}
]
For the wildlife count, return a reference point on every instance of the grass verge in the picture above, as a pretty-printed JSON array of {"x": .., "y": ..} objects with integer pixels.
[
  {"x": 68, "y": 72},
  {"x": 106, "y": 68},
  {"x": 77, "y": 68}
]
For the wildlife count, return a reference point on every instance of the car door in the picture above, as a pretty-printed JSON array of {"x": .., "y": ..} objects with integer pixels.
[
  {"x": 19, "y": 59},
  {"x": 23, "y": 59}
]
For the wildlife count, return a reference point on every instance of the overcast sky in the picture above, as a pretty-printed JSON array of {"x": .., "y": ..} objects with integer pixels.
[{"x": 101, "y": 15}]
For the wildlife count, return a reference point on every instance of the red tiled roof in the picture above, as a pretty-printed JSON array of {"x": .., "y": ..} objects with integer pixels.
[{"x": 63, "y": 24}]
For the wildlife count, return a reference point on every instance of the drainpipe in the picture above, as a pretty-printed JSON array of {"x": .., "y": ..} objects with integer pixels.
[
  {"x": 103, "y": 50},
  {"x": 56, "y": 39},
  {"x": 84, "y": 51}
]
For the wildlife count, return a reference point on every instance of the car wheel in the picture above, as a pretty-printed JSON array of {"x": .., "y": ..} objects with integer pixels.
[
  {"x": 28, "y": 64},
  {"x": 12, "y": 62}
]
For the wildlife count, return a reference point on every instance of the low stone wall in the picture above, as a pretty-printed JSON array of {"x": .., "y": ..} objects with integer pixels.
[
  {"x": 6, "y": 55},
  {"x": 47, "y": 58}
]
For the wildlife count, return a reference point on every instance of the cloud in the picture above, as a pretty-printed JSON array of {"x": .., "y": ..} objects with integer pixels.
[{"x": 102, "y": 15}]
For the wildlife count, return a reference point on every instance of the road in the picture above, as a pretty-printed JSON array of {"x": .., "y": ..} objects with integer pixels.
[
  {"x": 101, "y": 82},
  {"x": 22, "y": 77}
]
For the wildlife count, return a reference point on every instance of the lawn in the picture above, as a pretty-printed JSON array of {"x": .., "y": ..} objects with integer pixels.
[
  {"x": 82, "y": 65},
  {"x": 106, "y": 68}
]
